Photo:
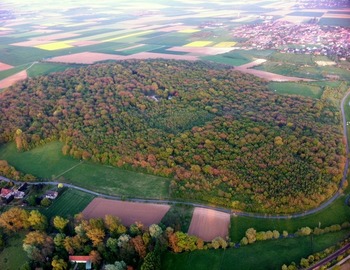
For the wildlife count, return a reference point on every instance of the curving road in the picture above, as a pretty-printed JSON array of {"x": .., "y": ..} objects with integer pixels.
[{"x": 222, "y": 209}]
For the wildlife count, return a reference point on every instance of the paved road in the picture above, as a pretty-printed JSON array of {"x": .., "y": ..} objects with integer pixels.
[
  {"x": 221, "y": 209},
  {"x": 330, "y": 257}
]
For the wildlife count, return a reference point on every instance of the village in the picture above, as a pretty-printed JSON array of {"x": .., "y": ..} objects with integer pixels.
[{"x": 287, "y": 37}]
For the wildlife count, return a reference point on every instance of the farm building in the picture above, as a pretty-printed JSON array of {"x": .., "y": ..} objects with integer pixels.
[
  {"x": 23, "y": 187},
  {"x": 51, "y": 194},
  {"x": 81, "y": 259},
  {"x": 5, "y": 193}
]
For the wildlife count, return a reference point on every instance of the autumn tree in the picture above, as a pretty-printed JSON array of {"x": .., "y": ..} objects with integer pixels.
[
  {"x": 14, "y": 219},
  {"x": 37, "y": 220},
  {"x": 139, "y": 246},
  {"x": 114, "y": 225},
  {"x": 60, "y": 223},
  {"x": 38, "y": 245},
  {"x": 59, "y": 264}
]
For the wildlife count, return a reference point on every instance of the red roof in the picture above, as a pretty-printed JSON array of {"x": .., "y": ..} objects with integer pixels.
[
  {"x": 5, "y": 191},
  {"x": 80, "y": 258}
]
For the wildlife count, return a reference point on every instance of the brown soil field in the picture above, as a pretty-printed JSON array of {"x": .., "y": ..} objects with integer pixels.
[
  {"x": 4, "y": 66},
  {"x": 90, "y": 57},
  {"x": 208, "y": 224},
  {"x": 128, "y": 212},
  {"x": 13, "y": 79}
]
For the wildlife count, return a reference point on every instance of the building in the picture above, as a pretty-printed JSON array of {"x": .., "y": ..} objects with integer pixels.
[
  {"x": 51, "y": 194},
  {"x": 81, "y": 259}
]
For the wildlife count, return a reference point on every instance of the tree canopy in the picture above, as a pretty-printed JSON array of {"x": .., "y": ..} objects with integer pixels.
[{"x": 221, "y": 135}]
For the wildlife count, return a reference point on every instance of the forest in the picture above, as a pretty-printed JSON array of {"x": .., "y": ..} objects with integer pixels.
[{"x": 222, "y": 136}]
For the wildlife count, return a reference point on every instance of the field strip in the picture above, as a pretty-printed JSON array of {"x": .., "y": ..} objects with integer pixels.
[
  {"x": 81, "y": 162},
  {"x": 130, "y": 35}
]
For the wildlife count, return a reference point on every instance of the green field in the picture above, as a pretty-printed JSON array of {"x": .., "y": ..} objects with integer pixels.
[
  {"x": 48, "y": 162},
  {"x": 178, "y": 217},
  {"x": 337, "y": 213},
  {"x": 297, "y": 88},
  {"x": 69, "y": 203},
  {"x": 305, "y": 59},
  {"x": 13, "y": 256},
  {"x": 47, "y": 68},
  {"x": 9, "y": 72},
  {"x": 261, "y": 255},
  {"x": 297, "y": 70}
]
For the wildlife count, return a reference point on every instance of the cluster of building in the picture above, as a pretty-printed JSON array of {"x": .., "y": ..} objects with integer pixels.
[
  {"x": 322, "y": 4},
  {"x": 8, "y": 194},
  {"x": 284, "y": 36}
]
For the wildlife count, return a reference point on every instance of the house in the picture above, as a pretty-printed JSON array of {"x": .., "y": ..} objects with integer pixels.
[
  {"x": 51, "y": 194},
  {"x": 5, "y": 193},
  {"x": 23, "y": 187},
  {"x": 18, "y": 194},
  {"x": 81, "y": 259}
]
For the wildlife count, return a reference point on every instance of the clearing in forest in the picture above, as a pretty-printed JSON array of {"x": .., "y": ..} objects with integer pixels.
[
  {"x": 208, "y": 224},
  {"x": 128, "y": 212}
]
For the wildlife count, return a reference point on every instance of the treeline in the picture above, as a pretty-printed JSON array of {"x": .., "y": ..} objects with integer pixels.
[{"x": 221, "y": 135}]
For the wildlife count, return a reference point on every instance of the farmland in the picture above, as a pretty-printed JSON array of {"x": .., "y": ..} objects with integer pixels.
[
  {"x": 128, "y": 212},
  {"x": 165, "y": 113},
  {"x": 69, "y": 203}
]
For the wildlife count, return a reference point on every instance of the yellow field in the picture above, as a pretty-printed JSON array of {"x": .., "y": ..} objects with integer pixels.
[
  {"x": 226, "y": 44},
  {"x": 198, "y": 44},
  {"x": 188, "y": 31},
  {"x": 54, "y": 46},
  {"x": 130, "y": 35}
]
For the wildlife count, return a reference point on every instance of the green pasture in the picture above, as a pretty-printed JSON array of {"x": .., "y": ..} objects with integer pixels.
[
  {"x": 312, "y": 72},
  {"x": 67, "y": 204},
  {"x": 13, "y": 256},
  {"x": 263, "y": 255},
  {"x": 296, "y": 88},
  {"x": 48, "y": 162},
  {"x": 347, "y": 115},
  {"x": 143, "y": 48},
  {"x": 337, "y": 213},
  {"x": 47, "y": 68},
  {"x": 237, "y": 57},
  {"x": 305, "y": 59}
]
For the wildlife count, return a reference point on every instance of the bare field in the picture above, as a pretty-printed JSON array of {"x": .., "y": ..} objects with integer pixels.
[
  {"x": 13, "y": 79},
  {"x": 4, "y": 66},
  {"x": 128, "y": 212},
  {"x": 208, "y": 224},
  {"x": 91, "y": 57}
]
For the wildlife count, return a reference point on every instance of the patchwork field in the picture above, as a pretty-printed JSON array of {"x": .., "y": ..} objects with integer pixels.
[
  {"x": 128, "y": 212},
  {"x": 208, "y": 224}
]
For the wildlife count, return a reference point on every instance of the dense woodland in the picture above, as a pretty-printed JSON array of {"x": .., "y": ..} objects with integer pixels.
[{"x": 221, "y": 135}]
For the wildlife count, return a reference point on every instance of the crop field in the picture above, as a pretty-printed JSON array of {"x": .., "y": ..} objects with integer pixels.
[
  {"x": 128, "y": 212},
  {"x": 208, "y": 224},
  {"x": 263, "y": 255},
  {"x": 296, "y": 88},
  {"x": 292, "y": 58},
  {"x": 48, "y": 162},
  {"x": 67, "y": 204}
]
